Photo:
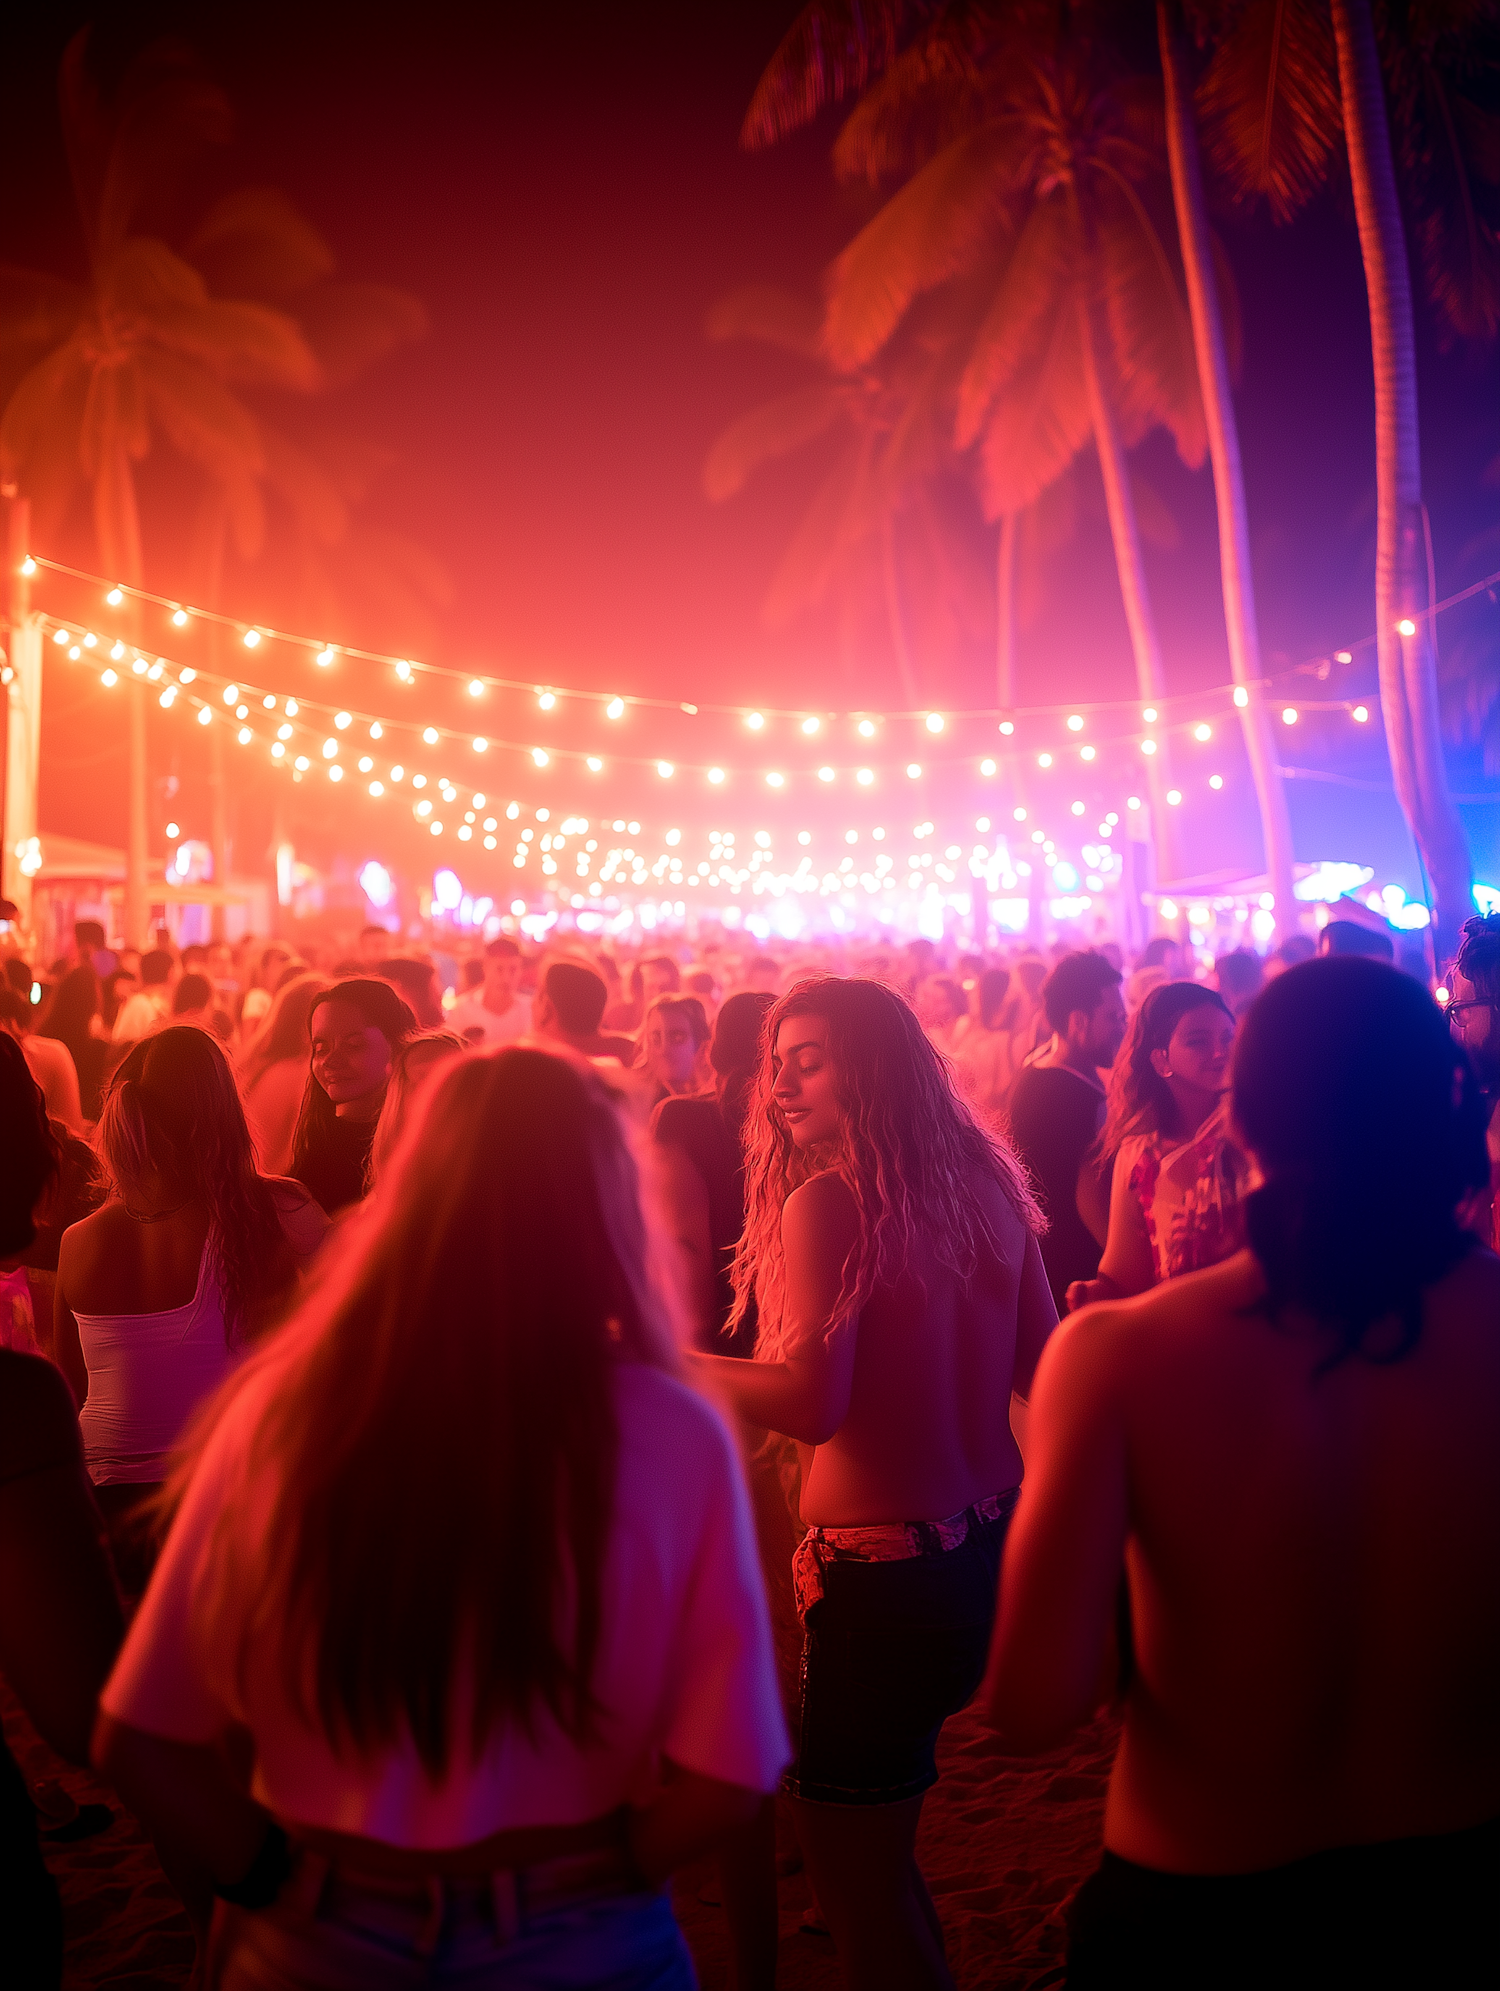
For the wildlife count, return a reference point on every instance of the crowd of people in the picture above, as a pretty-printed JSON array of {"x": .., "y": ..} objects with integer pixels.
[{"x": 478, "y": 1435}]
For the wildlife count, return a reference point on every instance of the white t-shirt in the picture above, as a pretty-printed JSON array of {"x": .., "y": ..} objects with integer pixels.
[
  {"x": 141, "y": 1011},
  {"x": 469, "y": 1014},
  {"x": 685, "y": 1666}
]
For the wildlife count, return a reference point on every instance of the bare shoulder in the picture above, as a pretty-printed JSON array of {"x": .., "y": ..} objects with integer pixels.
[
  {"x": 302, "y": 1216},
  {"x": 1121, "y": 1336},
  {"x": 94, "y": 1235},
  {"x": 824, "y": 1201}
]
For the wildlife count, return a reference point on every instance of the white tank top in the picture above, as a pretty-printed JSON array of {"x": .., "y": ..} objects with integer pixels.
[{"x": 147, "y": 1374}]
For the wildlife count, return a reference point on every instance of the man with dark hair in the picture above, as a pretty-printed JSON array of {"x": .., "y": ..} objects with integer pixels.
[
  {"x": 151, "y": 1001},
  {"x": 496, "y": 1013},
  {"x": 569, "y": 1004},
  {"x": 416, "y": 981},
  {"x": 1347, "y": 936},
  {"x": 1057, "y": 1107},
  {"x": 1240, "y": 978},
  {"x": 1474, "y": 1019},
  {"x": 374, "y": 947}
]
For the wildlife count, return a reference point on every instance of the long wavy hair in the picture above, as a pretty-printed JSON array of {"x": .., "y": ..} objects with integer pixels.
[
  {"x": 468, "y": 1328},
  {"x": 380, "y": 1006},
  {"x": 401, "y": 1088},
  {"x": 284, "y": 1032},
  {"x": 172, "y": 1107},
  {"x": 75, "y": 1002},
  {"x": 910, "y": 1152},
  {"x": 1369, "y": 1126},
  {"x": 1139, "y": 1100}
]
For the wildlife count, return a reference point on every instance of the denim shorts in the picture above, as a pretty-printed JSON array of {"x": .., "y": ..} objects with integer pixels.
[{"x": 890, "y": 1649}]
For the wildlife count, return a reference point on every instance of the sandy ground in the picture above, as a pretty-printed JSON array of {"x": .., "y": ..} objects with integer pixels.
[{"x": 1004, "y": 1843}]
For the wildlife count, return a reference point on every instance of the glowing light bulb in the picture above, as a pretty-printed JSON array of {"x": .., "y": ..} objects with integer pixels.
[
  {"x": 547, "y": 700},
  {"x": 117, "y": 650},
  {"x": 1148, "y": 747},
  {"x": 114, "y": 597},
  {"x": 810, "y": 726},
  {"x": 665, "y": 769},
  {"x": 1087, "y": 753},
  {"x": 325, "y": 656},
  {"x": 365, "y": 763},
  {"x": 277, "y": 750},
  {"x": 540, "y": 756},
  {"x": 330, "y": 748},
  {"x": 76, "y": 652},
  {"x": 28, "y": 565},
  {"x": 1044, "y": 760},
  {"x": 1076, "y": 807},
  {"x": 1406, "y": 627},
  {"x": 343, "y": 720},
  {"x": 335, "y": 774},
  {"x": 934, "y": 722},
  {"x": 179, "y": 621},
  {"x": 1020, "y": 815},
  {"x": 1343, "y": 656},
  {"x": 231, "y": 694},
  {"x": 244, "y": 736},
  {"x": 91, "y": 641},
  {"x": 1241, "y": 696},
  {"x": 204, "y": 715},
  {"x": 476, "y": 689},
  {"x": 1149, "y": 715},
  {"x": 283, "y": 732},
  {"x": 1007, "y": 726},
  {"x": 615, "y": 709},
  {"x": 1075, "y": 722},
  {"x": 825, "y": 774},
  {"x": 1174, "y": 796},
  {"x": 865, "y": 776},
  {"x": 1360, "y": 714},
  {"x": 593, "y": 764},
  {"x": 774, "y": 780},
  {"x": 377, "y": 731},
  {"x": 754, "y": 720},
  {"x": 1203, "y": 732},
  {"x": 1132, "y": 801},
  {"x": 403, "y": 671},
  {"x": 377, "y": 788},
  {"x": 866, "y": 729},
  {"x": 268, "y": 703},
  {"x": 1216, "y": 781},
  {"x": 1289, "y": 716},
  {"x": 302, "y": 763},
  {"x": 716, "y": 775},
  {"x": 60, "y": 636},
  {"x": 113, "y": 677},
  {"x": 480, "y": 745},
  {"x": 252, "y": 636},
  {"x": 986, "y": 767},
  {"x": 430, "y": 735}
]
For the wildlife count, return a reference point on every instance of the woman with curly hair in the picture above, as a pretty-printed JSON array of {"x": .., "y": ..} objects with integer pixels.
[
  {"x": 160, "y": 1290},
  {"x": 890, "y": 1249},
  {"x": 1176, "y": 1200}
]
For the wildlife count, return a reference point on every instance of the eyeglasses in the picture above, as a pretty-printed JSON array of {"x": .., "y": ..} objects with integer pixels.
[{"x": 1457, "y": 1009}]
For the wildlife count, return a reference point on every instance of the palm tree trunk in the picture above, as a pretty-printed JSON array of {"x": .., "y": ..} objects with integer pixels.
[
  {"x": 1408, "y": 676},
  {"x": 1125, "y": 533},
  {"x": 896, "y": 614},
  {"x": 1237, "y": 574},
  {"x": 1005, "y": 606}
]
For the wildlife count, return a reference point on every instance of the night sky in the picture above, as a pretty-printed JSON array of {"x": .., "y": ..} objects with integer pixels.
[{"x": 565, "y": 192}]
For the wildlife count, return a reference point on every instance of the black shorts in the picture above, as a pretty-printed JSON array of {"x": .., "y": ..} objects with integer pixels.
[
  {"x": 1400, "y": 1912},
  {"x": 889, "y": 1651}
]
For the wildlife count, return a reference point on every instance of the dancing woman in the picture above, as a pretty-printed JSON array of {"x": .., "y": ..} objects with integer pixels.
[
  {"x": 890, "y": 1248},
  {"x": 468, "y": 1574}
]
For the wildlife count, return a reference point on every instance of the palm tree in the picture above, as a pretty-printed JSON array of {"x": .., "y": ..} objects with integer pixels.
[
  {"x": 888, "y": 425},
  {"x": 141, "y": 352},
  {"x": 1284, "y": 84},
  {"x": 1212, "y": 353},
  {"x": 1031, "y": 172}
]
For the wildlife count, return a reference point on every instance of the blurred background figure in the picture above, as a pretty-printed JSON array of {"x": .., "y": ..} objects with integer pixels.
[
  {"x": 51, "y": 1063},
  {"x": 983, "y": 1066},
  {"x": 417, "y": 983},
  {"x": 151, "y": 1001},
  {"x": 568, "y": 1008},
  {"x": 413, "y": 1065},
  {"x": 701, "y": 1146},
  {"x": 656, "y": 974},
  {"x": 72, "y": 1019},
  {"x": 674, "y": 1047},
  {"x": 941, "y": 1011},
  {"x": 497, "y": 1012},
  {"x": 1239, "y": 978},
  {"x": 1474, "y": 1018}
]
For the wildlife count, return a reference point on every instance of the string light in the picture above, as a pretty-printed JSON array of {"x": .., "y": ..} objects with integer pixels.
[
  {"x": 1203, "y": 732},
  {"x": 914, "y": 771},
  {"x": 547, "y": 700},
  {"x": 986, "y": 767},
  {"x": 1360, "y": 714},
  {"x": 1216, "y": 781},
  {"x": 1289, "y": 716},
  {"x": 251, "y": 639},
  {"x": 810, "y": 726},
  {"x": 754, "y": 720},
  {"x": 1241, "y": 696},
  {"x": 325, "y": 656},
  {"x": 1075, "y": 721},
  {"x": 866, "y": 729},
  {"x": 1406, "y": 627},
  {"x": 113, "y": 678},
  {"x": 1044, "y": 760},
  {"x": 934, "y": 722}
]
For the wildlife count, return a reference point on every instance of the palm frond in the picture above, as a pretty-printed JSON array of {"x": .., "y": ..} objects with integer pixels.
[
  {"x": 940, "y": 223},
  {"x": 302, "y": 483},
  {"x": 201, "y": 419},
  {"x": 351, "y": 327},
  {"x": 773, "y": 430},
  {"x": 1035, "y": 285},
  {"x": 114, "y": 417},
  {"x": 822, "y": 538},
  {"x": 832, "y": 49},
  {"x": 117, "y": 521},
  {"x": 1449, "y": 148},
  {"x": 771, "y": 316},
  {"x": 1038, "y": 426},
  {"x": 1270, "y": 104},
  {"x": 36, "y": 310},
  {"x": 255, "y": 244},
  {"x": 56, "y": 385},
  {"x": 248, "y": 343},
  {"x": 926, "y": 98},
  {"x": 1151, "y": 363},
  {"x": 1153, "y": 516}
]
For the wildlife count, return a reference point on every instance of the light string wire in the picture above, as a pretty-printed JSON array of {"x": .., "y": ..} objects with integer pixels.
[{"x": 407, "y": 667}]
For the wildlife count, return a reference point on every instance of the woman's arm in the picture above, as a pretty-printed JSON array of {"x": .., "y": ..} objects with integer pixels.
[
  {"x": 1066, "y": 1546},
  {"x": 806, "y": 1393},
  {"x": 1128, "y": 1265}
]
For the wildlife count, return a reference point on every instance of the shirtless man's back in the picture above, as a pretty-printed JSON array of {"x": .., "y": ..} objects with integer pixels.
[{"x": 1311, "y": 1557}]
